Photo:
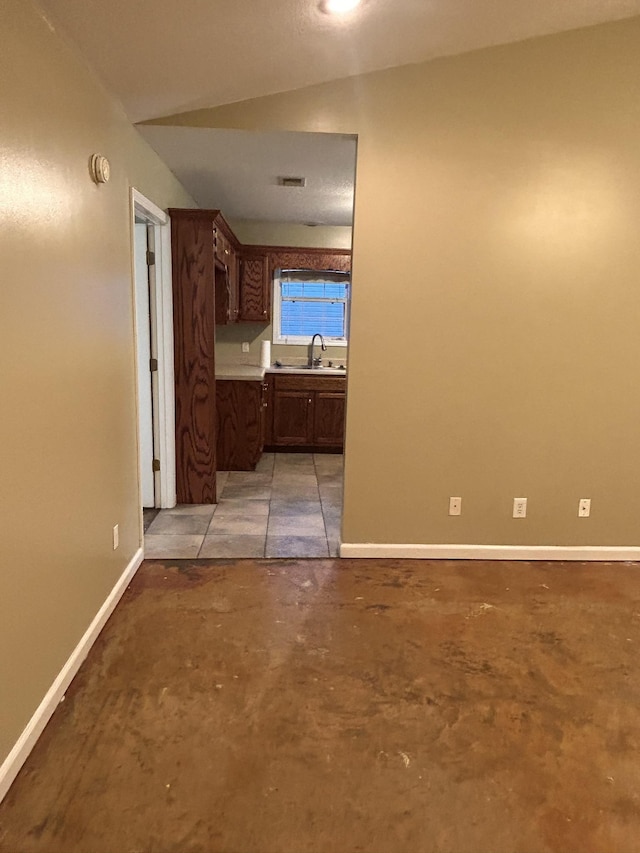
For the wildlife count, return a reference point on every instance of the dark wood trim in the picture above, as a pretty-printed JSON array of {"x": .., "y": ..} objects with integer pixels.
[
  {"x": 194, "y": 354},
  {"x": 307, "y": 250}
]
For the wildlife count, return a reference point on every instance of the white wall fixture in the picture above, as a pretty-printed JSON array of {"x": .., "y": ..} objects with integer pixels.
[
  {"x": 519, "y": 507},
  {"x": 100, "y": 168},
  {"x": 584, "y": 508},
  {"x": 455, "y": 506}
]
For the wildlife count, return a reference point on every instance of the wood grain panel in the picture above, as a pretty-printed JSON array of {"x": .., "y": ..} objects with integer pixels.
[
  {"x": 309, "y": 382},
  {"x": 194, "y": 340},
  {"x": 292, "y": 418},
  {"x": 240, "y": 430},
  {"x": 267, "y": 412},
  {"x": 254, "y": 289},
  {"x": 328, "y": 418},
  {"x": 309, "y": 259}
]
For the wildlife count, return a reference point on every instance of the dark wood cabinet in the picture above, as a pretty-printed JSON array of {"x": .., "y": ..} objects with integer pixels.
[
  {"x": 192, "y": 248},
  {"x": 328, "y": 418},
  {"x": 255, "y": 287},
  {"x": 226, "y": 273},
  {"x": 240, "y": 414},
  {"x": 308, "y": 411},
  {"x": 293, "y": 417}
]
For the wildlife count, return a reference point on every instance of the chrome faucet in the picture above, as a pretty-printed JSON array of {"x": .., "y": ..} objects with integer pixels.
[{"x": 316, "y": 362}]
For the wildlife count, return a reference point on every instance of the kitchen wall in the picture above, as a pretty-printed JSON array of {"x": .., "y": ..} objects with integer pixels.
[
  {"x": 259, "y": 233},
  {"x": 229, "y": 339},
  {"x": 68, "y": 426},
  {"x": 496, "y": 220}
]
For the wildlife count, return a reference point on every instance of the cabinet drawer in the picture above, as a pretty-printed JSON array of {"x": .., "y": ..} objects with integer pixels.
[{"x": 298, "y": 382}]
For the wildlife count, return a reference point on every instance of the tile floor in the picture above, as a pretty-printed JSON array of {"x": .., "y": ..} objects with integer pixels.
[{"x": 290, "y": 506}]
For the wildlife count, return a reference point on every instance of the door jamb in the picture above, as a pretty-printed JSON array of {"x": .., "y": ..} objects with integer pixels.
[{"x": 162, "y": 312}]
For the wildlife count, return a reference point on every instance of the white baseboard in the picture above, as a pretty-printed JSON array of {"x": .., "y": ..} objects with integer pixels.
[
  {"x": 27, "y": 740},
  {"x": 489, "y": 552}
]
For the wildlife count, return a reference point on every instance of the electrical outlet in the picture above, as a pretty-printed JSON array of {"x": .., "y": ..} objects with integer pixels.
[
  {"x": 519, "y": 507},
  {"x": 245, "y": 346},
  {"x": 455, "y": 506},
  {"x": 584, "y": 508},
  {"x": 116, "y": 536}
]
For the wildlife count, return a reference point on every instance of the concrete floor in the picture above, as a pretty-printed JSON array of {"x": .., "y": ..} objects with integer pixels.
[{"x": 333, "y": 706}]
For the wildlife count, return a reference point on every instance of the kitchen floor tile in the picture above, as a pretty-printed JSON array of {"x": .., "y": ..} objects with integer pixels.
[
  {"x": 232, "y": 546},
  {"x": 242, "y": 508},
  {"x": 296, "y": 546},
  {"x": 252, "y": 478},
  {"x": 281, "y": 508},
  {"x": 266, "y": 463},
  {"x": 295, "y": 498},
  {"x": 332, "y": 511},
  {"x": 236, "y": 525},
  {"x": 296, "y": 525},
  {"x": 295, "y": 493},
  {"x": 179, "y": 524},
  {"x": 246, "y": 491},
  {"x": 332, "y": 528},
  {"x": 191, "y": 509},
  {"x": 295, "y": 478},
  {"x": 171, "y": 546}
]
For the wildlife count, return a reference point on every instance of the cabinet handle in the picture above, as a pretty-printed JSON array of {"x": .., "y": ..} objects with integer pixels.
[{"x": 309, "y": 400}]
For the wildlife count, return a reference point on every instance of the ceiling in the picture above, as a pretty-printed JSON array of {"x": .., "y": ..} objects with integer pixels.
[
  {"x": 161, "y": 57},
  {"x": 238, "y": 171}
]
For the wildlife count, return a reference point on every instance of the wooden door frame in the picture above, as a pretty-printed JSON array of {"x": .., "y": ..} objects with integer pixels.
[{"x": 161, "y": 307}]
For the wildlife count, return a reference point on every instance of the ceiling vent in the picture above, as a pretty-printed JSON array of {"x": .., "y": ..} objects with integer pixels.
[{"x": 292, "y": 182}]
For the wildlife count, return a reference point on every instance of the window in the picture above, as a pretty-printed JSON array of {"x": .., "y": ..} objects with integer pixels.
[{"x": 307, "y": 302}]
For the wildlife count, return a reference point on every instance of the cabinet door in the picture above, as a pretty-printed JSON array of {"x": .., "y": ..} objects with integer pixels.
[
  {"x": 234, "y": 286},
  {"x": 292, "y": 417},
  {"x": 328, "y": 420},
  {"x": 254, "y": 289},
  {"x": 222, "y": 295}
]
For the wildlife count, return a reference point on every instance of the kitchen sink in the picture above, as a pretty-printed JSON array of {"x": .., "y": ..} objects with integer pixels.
[{"x": 322, "y": 368}]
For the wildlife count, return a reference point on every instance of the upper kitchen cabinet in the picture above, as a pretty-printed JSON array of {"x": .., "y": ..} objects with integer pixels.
[
  {"x": 292, "y": 258},
  {"x": 255, "y": 286},
  {"x": 227, "y": 294}
]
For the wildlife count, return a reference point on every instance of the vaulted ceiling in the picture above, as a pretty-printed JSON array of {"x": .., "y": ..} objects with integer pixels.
[{"x": 161, "y": 57}]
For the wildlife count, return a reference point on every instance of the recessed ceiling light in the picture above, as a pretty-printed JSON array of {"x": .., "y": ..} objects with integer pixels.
[
  {"x": 338, "y": 7},
  {"x": 292, "y": 182}
]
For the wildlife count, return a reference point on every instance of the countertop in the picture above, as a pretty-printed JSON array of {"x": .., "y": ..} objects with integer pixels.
[{"x": 254, "y": 373}]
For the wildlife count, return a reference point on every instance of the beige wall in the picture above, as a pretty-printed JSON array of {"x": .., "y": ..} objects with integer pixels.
[
  {"x": 496, "y": 240},
  {"x": 68, "y": 425},
  {"x": 229, "y": 339},
  {"x": 257, "y": 232}
]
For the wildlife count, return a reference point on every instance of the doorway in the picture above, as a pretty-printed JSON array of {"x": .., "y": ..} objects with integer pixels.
[{"x": 151, "y": 253}]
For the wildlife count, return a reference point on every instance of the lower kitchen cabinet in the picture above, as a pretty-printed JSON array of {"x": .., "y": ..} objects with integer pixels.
[
  {"x": 308, "y": 411},
  {"x": 328, "y": 418},
  {"x": 241, "y": 423}
]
